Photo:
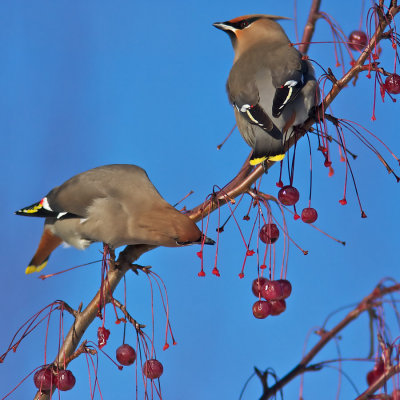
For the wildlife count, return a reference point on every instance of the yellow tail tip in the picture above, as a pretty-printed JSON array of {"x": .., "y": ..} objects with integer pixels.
[
  {"x": 256, "y": 161},
  {"x": 278, "y": 157},
  {"x": 30, "y": 269},
  {"x": 259, "y": 160}
]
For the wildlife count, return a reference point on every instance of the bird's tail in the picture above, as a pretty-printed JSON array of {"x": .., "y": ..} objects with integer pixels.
[
  {"x": 47, "y": 244},
  {"x": 38, "y": 209}
]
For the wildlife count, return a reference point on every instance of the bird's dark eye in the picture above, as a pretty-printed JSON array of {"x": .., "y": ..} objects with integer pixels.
[{"x": 243, "y": 24}]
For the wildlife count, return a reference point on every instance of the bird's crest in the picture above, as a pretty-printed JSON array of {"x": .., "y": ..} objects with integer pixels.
[{"x": 273, "y": 17}]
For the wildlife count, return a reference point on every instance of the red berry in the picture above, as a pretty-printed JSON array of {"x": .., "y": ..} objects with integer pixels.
[
  {"x": 288, "y": 195},
  {"x": 152, "y": 368},
  {"x": 358, "y": 40},
  {"x": 392, "y": 84},
  {"x": 126, "y": 355},
  {"x": 309, "y": 215},
  {"x": 261, "y": 309},
  {"x": 258, "y": 283},
  {"x": 44, "y": 379},
  {"x": 269, "y": 233},
  {"x": 376, "y": 373},
  {"x": 272, "y": 290},
  {"x": 371, "y": 377},
  {"x": 65, "y": 380},
  {"x": 277, "y": 306},
  {"x": 286, "y": 288}
]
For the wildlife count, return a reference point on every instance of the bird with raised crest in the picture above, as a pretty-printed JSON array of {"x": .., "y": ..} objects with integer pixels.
[{"x": 271, "y": 86}]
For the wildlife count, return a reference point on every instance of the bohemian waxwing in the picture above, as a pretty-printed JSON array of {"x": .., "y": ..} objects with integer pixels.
[
  {"x": 114, "y": 204},
  {"x": 270, "y": 86}
]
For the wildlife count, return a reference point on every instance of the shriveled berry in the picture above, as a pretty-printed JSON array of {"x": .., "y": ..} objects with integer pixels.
[
  {"x": 102, "y": 335},
  {"x": 392, "y": 84},
  {"x": 286, "y": 288},
  {"x": 278, "y": 306},
  {"x": 44, "y": 379},
  {"x": 272, "y": 290},
  {"x": 261, "y": 309},
  {"x": 269, "y": 233},
  {"x": 288, "y": 195},
  {"x": 65, "y": 380},
  {"x": 125, "y": 354},
  {"x": 258, "y": 283},
  {"x": 152, "y": 369},
  {"x": 358, "y": 40},
  {"x": 309, "y": 215}
]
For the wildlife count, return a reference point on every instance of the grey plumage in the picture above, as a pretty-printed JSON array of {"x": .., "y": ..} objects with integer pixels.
[
  {"x": 115, "y": 204},
  {"x": 271, "y": 87}
]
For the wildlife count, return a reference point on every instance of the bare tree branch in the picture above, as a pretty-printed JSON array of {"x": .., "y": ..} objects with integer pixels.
[{"x": 326, "y": 336}]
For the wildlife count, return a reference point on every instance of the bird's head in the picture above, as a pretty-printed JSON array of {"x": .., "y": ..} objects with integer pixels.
[{"x": 249, "y": 29}]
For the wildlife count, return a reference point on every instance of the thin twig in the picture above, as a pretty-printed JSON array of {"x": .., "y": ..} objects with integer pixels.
[
  {"x": 310, "y": 26},
  {"x": 68, "y": 308},
  {"x": 80, "y": 350},
  {"x": 132, "y": 320}
]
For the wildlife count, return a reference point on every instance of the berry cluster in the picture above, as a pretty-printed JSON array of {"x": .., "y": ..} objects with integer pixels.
[
  {"x": 288, "y": 195},
  {"x": 274, "y": 293},
  {"x": 48, "y": 378},
  {"x": 126, "y": 355}
]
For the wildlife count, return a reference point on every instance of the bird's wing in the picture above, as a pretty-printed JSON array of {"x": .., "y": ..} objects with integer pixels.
[
  {"x": 42, "y": 209},
  {"x": 288, "y": 81},
  {"x": 71, "y": 199},
  {"x": 246, "y": 101}
]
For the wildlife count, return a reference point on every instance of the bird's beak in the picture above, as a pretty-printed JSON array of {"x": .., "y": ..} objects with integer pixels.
[
  {"x": 208, "y": 240},
  {"x": 223, "y": 26}
]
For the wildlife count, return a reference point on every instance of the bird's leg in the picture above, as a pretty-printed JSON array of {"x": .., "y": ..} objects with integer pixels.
[{"x": 265, "y": 166}]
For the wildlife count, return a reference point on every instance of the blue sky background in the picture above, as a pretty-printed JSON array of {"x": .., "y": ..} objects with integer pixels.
[{"x": 95, "y": 82}]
